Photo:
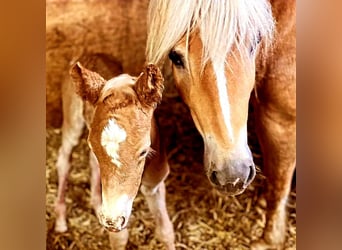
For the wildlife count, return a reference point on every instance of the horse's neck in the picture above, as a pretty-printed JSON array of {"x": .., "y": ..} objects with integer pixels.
[{"x": 284, "y": 12}]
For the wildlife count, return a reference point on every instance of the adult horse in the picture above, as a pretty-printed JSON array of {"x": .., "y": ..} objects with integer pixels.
[{"x": 215, "y": 48}]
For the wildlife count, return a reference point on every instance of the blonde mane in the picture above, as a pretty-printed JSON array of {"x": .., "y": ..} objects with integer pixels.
[{"x": 222, "y": 25}]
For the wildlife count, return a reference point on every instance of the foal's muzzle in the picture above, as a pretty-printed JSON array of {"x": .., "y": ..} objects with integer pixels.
[{"x": 114, "y": 225}]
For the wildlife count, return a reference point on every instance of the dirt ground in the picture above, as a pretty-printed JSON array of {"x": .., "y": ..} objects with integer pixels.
[{"x": 202, "y": 218}]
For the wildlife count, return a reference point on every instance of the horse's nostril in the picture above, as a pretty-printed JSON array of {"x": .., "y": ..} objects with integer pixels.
[
  {"x": 213, "y": 178},
  {"x": 251, "y": 174}
]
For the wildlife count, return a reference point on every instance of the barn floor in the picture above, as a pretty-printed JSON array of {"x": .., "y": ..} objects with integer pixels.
[{"x": 202, "y": 218}]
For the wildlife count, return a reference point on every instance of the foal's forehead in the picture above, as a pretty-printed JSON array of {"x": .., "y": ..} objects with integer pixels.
[
  {"x": 111, "y": 137},
  {"x": 121, "y": 79},
  {"x": 117, "y": 82}
]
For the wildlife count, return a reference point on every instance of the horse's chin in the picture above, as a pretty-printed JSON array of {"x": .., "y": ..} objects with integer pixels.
[{"x": 226, "y": 191}]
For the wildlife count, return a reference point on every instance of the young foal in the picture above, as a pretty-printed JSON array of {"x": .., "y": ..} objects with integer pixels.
[{"x": 125, "y": 148}]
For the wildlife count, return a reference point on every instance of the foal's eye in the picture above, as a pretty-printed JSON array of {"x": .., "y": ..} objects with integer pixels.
[
  {"x": 176, "y": 59},
  {"x": 143, "y": 153}
]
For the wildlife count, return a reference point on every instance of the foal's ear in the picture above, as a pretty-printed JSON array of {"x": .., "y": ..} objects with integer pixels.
[
  {"x": 149, "y": 86},
  {"x": 88, "y": 84}
]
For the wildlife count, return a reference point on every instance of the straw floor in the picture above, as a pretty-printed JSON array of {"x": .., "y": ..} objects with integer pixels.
[{"x": 202, "y": 218}]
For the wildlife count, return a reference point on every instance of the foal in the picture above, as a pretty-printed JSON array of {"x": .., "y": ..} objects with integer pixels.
[{"x": 125, "y": 148}]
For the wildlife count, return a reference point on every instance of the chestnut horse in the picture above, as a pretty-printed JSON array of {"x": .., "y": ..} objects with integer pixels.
[
  {"x": 125, "y": 148},
  {"x": 215, "y": 48}
]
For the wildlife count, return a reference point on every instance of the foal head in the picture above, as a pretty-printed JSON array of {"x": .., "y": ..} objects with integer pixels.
[
  {"x": 119, "y": 134},
  {"x": 213, "y": 47}
]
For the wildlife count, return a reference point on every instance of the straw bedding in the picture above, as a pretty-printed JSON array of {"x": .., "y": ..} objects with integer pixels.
[{"x": 202, "y": 218}]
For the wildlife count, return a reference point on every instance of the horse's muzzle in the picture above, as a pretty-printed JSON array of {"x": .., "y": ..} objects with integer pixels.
[{"x": 232, "y": 180}]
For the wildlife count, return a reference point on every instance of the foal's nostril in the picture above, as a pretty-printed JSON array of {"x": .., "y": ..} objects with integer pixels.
[
  {"x": 117, "y": 224},
  {"x": 109, "y": 222},
  {"x": 213, "y": 178},
  {"x": 251, "y": 175}
]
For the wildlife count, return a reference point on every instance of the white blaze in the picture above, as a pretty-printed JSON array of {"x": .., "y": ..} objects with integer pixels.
[
  {"x": 112, "y": 135},
  {"x": 223, "y": 96}
]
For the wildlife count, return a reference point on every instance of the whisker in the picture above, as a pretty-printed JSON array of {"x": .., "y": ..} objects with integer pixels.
[{"x": 151, "y": 153}]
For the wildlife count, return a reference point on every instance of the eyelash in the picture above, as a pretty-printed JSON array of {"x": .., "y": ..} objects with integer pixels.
[
  {"x": 147, "y": 153},
  {"x": 257, "y": 42}
]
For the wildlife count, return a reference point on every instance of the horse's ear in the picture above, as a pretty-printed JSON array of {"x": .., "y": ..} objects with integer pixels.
[
  {"x": 88, "y": 84},
  {"x": 149, "y": 86}
]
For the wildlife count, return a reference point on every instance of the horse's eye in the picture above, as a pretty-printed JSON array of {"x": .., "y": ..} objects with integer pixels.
[
  {"x": 257, "y": 41},
  {"x": 176, "y": 58}
]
